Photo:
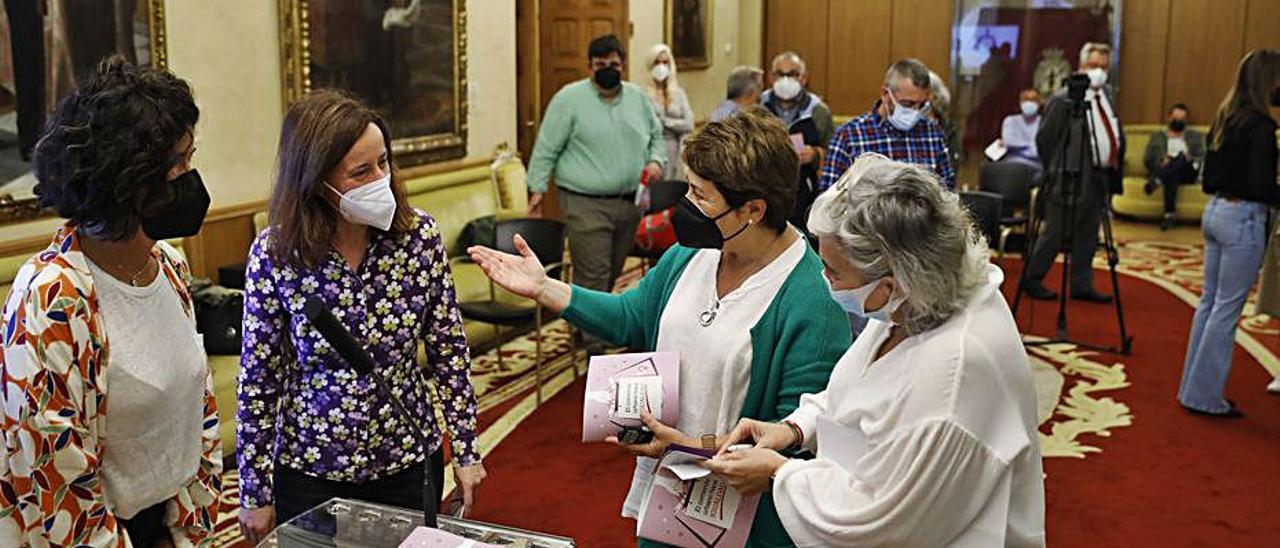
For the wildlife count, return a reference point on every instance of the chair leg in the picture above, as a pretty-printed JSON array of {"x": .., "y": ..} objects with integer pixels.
[
  {"x": 537, "y": 353},
  {"x": 497, "y": 330}
]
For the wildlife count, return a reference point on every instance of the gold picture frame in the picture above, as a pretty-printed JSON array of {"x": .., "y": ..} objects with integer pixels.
[
  {"x": 302, "y": 69},
  {"x": 25, "y": 206},
  {"x": 689, "y": 31}
]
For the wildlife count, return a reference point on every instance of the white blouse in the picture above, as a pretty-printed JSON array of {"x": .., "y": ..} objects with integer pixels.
[
  {"x": 934, "y": 444},
  {"x": 715, "y": 359}
]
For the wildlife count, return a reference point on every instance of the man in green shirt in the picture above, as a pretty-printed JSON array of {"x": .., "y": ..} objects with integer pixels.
[{"x": 597, "y": 138}]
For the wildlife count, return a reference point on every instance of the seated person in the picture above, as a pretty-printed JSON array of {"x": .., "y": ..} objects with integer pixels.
[
  {"x": 1173, "y": 158},
  {"x": 1018, "y": 132},
  {"x": 926, "y": 434}
]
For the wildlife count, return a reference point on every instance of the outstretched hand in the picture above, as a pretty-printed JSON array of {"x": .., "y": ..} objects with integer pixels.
[{"x": 520, "y": 274}]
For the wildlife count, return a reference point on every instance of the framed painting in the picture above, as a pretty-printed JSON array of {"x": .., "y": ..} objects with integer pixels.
[
  {"x": 405, "y": 58},
  {"x": 689, "y": 32},
  {"x": 46, "y": 48}
]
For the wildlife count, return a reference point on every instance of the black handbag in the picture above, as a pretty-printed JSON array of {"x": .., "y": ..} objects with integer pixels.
[{"x": 219, "y": 317}]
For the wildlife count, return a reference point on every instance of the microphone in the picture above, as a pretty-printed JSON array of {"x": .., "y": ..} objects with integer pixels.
[{"x": 351, "y": 351}]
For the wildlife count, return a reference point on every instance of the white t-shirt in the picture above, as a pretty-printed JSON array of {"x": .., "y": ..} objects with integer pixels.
[
  {"x": 934, "y": 444},
  {"x": 156, "y": 374},
  {"x": 1176, "y": 146},
  {"x": 715, "y": 360}
]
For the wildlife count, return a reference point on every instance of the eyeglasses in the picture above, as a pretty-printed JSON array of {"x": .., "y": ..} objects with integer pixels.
[{"x": 792, "y": 74}]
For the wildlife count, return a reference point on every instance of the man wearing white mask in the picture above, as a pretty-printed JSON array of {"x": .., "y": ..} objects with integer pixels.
[
  {"x": 808, "y": 121},
  {"x": 1106, "y": 145},
  {"x": 897, "y": 126}
]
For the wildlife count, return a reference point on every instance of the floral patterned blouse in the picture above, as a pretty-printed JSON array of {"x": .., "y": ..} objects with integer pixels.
[
  {"x": 302, "y": 406},
  {"x": 55, "y": 395}
]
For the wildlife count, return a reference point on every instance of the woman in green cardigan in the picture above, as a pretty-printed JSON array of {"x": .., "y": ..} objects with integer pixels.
[{"x": 741, "y": 299}]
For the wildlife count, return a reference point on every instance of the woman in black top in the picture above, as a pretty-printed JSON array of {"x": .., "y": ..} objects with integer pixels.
[{"x": 1240, "y": 172}]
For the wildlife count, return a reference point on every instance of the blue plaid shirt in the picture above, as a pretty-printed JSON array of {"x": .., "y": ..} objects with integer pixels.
[{"x": 924, "y": 144}]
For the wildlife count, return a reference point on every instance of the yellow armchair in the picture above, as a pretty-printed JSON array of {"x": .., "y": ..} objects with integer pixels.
[{"x": 1139, "y": 205}]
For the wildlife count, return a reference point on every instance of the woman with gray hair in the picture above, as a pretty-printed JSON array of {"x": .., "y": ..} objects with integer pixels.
[{"x": 926, "y": 433}]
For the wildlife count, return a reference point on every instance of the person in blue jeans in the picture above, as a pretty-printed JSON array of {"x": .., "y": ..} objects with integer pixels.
[{"x": 1240, "y": 173}]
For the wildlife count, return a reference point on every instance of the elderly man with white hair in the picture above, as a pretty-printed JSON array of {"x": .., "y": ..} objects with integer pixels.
[
  {"x": 808, "y": 121},
  {"x": 1088, "y": 200},
  {"x": 926, "y": 432}
]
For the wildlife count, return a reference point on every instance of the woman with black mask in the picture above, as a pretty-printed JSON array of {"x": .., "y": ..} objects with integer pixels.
[
  {"x": 107, "y": 306},
  {"x": 741, "y": 277}
]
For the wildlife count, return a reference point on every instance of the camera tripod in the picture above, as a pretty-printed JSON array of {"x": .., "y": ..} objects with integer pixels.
[{"x": 1071, "y": 167}]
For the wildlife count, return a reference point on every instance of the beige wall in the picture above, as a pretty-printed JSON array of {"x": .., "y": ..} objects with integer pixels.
[
  {"x": 229, "y": 52},
  {"x": 735, "y": 40}
]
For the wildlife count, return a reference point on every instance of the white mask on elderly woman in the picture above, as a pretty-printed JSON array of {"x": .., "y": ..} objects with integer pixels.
[{"x": 854, "y": 301}]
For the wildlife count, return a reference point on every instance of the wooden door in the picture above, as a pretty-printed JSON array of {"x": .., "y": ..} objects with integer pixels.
[{"x": 552, "y": 52}]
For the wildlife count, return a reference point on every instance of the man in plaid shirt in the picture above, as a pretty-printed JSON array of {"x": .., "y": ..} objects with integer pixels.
[{"x": 897, "y": 126}]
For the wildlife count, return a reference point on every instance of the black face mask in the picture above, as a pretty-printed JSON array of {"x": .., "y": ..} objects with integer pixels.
[
  {"x": 184, "y": 215},
  {"x": 1178, "y": 125},
  {"x": 608, "y": 77},
  {"x": 696, "y": 230},
  {"x": 1275, "y": 97}
]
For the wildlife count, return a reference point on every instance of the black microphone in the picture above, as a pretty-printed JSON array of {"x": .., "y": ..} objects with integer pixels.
[{"x": 351, "y": 351}]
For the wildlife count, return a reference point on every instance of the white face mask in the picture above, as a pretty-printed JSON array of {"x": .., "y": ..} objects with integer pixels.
[
  {"x": 787, "y": 88},
  {"x": 1097, "y": 77},
  {"x": 1030, "y": 108},
  {"x": 904, "y": 118},
  {"x": 854, "y": 301},
  {"x": 660, "y": 72},
  {"x": 372, "y": 204}
]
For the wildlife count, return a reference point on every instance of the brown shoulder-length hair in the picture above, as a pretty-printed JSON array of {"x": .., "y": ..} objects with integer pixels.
[
  {"x": 318, "y": 131},
  {"x": 1256, "y": 78}
]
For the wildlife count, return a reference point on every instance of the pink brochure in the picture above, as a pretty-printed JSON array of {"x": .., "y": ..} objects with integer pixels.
[
  {"x": 620, "y": 386},
  {"x": 426, "y": 537},
  {"x": 689, "y": 507},
  {"x": 797, "y": 142}
]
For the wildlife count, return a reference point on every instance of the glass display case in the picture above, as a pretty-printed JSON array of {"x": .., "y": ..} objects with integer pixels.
[{"x": 354, "y": 524}]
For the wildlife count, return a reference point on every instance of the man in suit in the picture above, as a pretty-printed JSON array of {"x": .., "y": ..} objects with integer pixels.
[
  {"x": 1173, "y": 158},
  {"x": 1104, "y": 136}
]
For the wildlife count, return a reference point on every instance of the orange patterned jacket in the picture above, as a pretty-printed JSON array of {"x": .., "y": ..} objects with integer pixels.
[{"x": 54, "y": 393}]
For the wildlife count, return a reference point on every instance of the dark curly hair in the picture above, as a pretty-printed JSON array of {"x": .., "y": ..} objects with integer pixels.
[{"x": 104, "y": 159}]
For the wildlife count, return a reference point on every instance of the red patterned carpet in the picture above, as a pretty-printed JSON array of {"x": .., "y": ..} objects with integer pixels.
[{"x": 1125, "y": 465}]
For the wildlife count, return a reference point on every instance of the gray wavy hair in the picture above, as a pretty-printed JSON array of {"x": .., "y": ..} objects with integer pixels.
[{"x": 893, "y": 218}]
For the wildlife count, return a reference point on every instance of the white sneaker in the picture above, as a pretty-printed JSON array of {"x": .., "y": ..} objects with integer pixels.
[{"x": 1274, "y": 387}]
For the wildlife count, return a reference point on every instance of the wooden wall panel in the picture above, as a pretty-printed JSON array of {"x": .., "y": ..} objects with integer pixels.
[
  {"x": 1205, "y": 45},
  {"x": 224, "y": 240},
  {"x": 800, "y": 26},
  {"x": 1262, "y": 25},
  {"x": 922, "y": 29},
  {"x": 1143, "y": 40},
  {"x": 859, "y": 52}
]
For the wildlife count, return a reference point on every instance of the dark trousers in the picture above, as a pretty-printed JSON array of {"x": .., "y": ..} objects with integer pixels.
[
  {"x": 601, "y": 233},
  {"x": 1087, "y": 218},
  {"x": 146, "y": 528},
  {"x": 296, "y": 492},
  {"x": 26, "y": 39},
  {"x": 1176, "y": 172}
]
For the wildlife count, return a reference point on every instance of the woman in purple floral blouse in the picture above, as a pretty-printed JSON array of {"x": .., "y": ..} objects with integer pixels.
[{"x": 310, "y": 428}]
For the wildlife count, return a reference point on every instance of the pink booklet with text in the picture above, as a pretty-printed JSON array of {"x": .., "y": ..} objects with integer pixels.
[
  {"x": 621, "y": 386},
  {"x": 689, "y": 507}
]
